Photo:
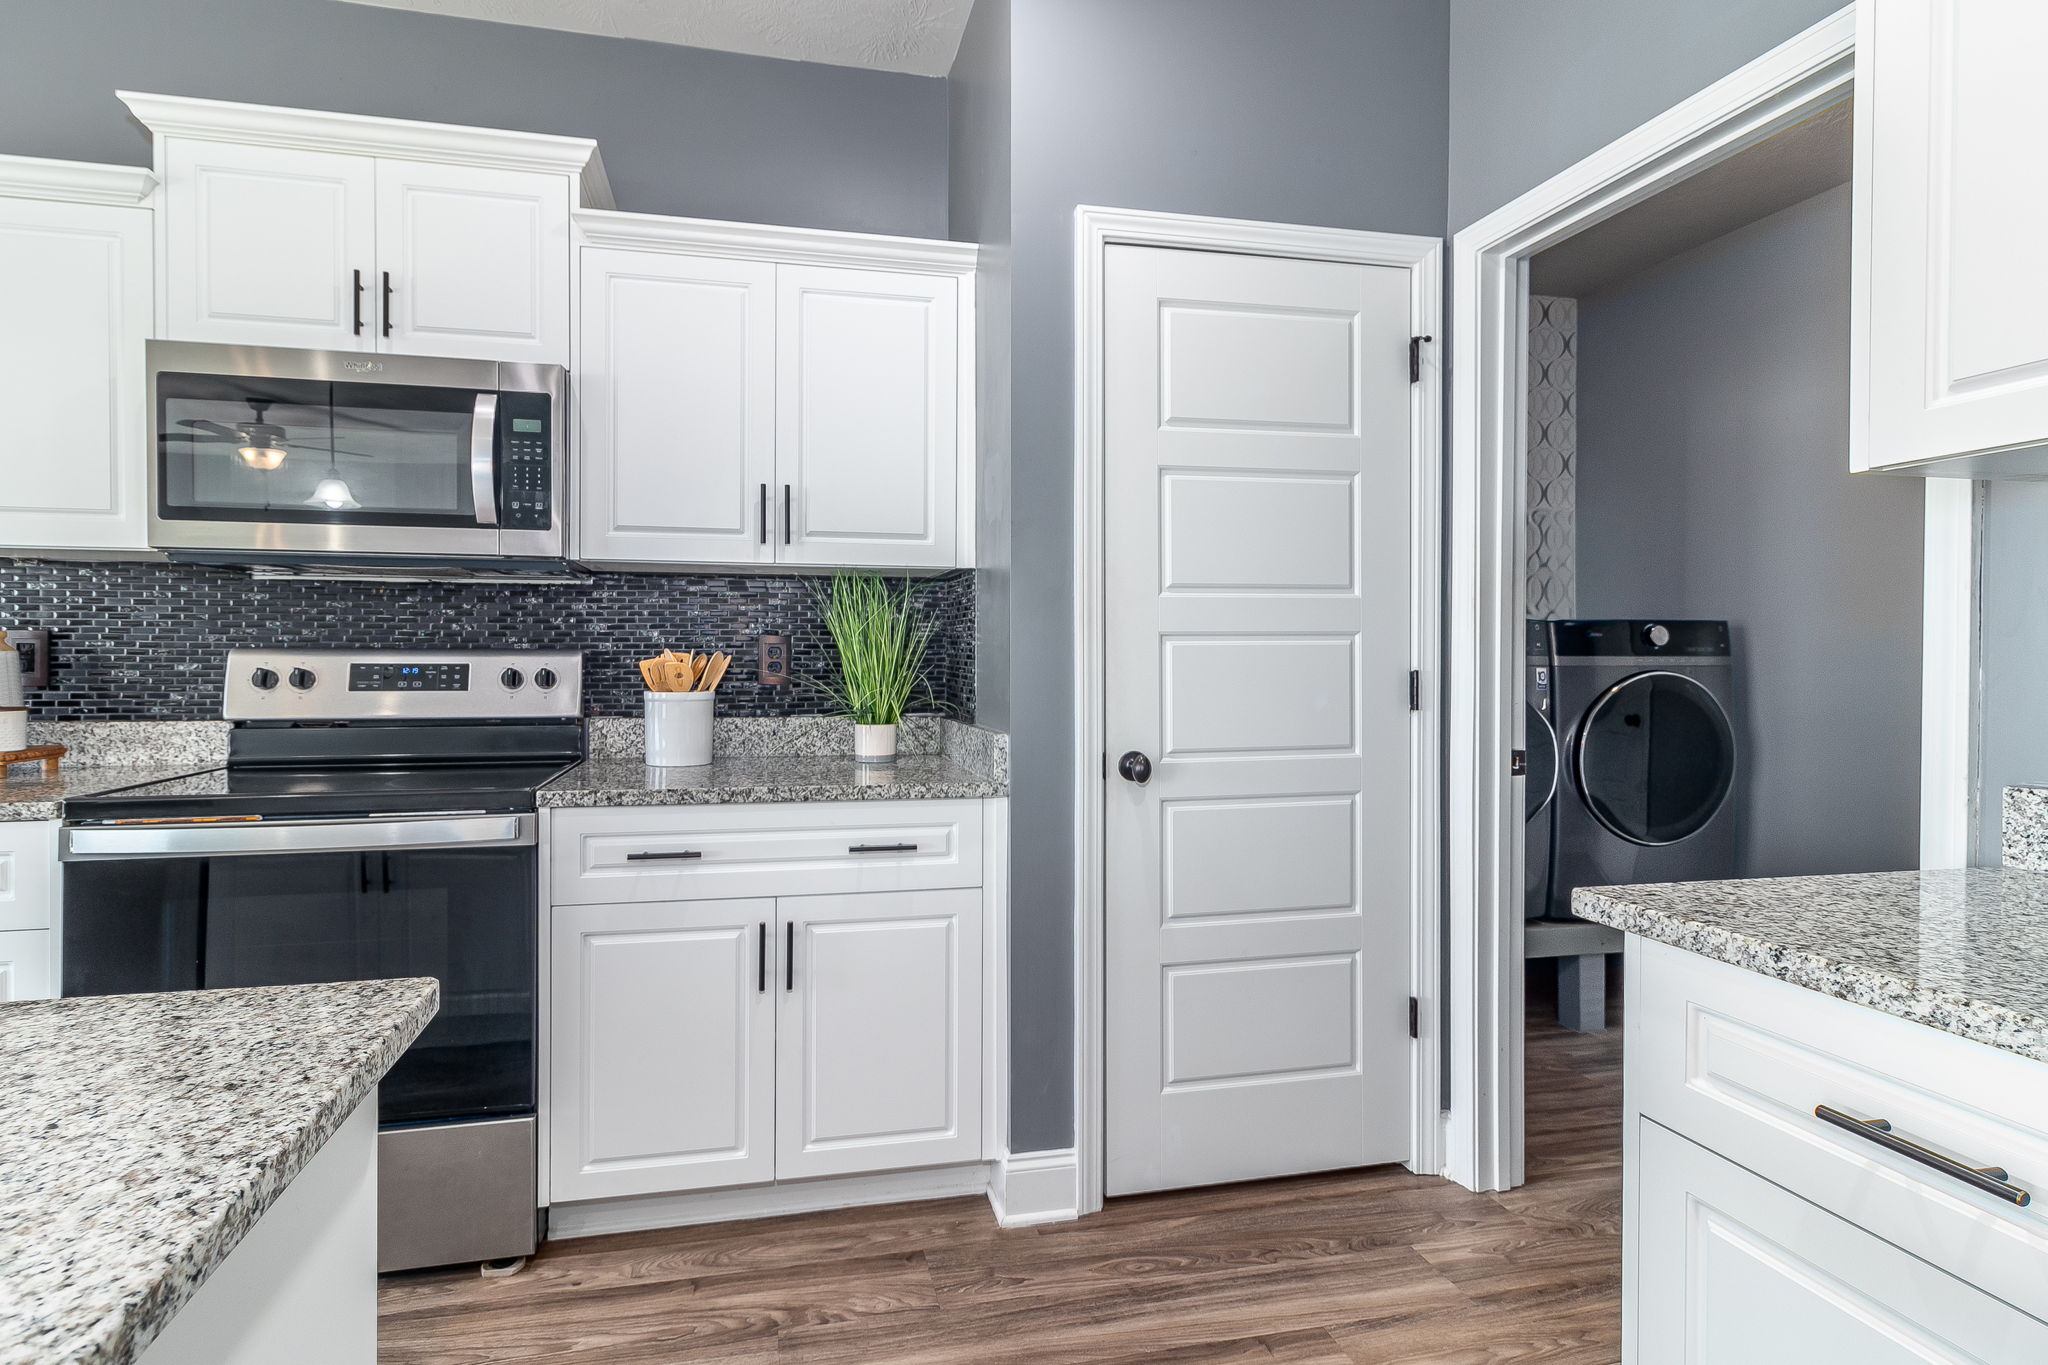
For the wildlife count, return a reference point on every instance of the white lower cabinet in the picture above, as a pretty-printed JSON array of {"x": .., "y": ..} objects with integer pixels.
[
  {"x": 1734, "y": 1270},
  {"x": 697, "y": 1043},
  {"x": 878, "y": 1044},
  {"x": 25, "y": 965}
]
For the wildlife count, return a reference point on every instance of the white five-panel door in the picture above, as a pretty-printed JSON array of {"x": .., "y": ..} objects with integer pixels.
[{"x": 1258, "y": 600}]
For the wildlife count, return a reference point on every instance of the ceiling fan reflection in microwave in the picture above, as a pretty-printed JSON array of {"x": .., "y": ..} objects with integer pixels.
[{"x": 260, "y": 444}]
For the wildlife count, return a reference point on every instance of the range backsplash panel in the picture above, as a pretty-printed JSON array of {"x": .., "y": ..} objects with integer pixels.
[{"x": 148, "y": 641}]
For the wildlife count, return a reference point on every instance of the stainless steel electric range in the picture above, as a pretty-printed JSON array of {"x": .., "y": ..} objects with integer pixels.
[{"x": 375, "y": 819}]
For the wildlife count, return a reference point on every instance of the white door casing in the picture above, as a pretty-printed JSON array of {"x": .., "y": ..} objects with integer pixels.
[
  {"x": 264, "y": 245},
  {"x": 71, "y": 374},
  {"x": 663, "y": 1052},
  {"x": 1733, "y": 1270},
  {"x": 476, "y": 260},
  {"x": 879, "y": 1032},
  {"x": 676, "y": 386},
  {"x": 867, "y": 416},
  {"x": 1258, "y": 596}
]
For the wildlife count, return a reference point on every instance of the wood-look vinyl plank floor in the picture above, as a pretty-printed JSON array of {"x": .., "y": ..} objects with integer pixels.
[{"x": 1371, "y": 1267}]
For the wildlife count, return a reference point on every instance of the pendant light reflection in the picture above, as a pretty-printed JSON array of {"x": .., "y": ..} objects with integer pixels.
[{"x": 332, "y": 493}]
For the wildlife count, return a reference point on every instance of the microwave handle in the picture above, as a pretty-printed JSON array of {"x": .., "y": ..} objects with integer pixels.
[{"x": 483, "y": 458}]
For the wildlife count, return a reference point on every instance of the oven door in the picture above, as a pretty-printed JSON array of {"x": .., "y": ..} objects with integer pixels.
[
  {"x": 187, "y": 907},
  {"x": 318, "y": 452}
]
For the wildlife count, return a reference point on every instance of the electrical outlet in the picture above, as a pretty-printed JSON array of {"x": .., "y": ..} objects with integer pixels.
[
  {"x": 772, "y": 669},
  {"x": 34, "y": 647}
]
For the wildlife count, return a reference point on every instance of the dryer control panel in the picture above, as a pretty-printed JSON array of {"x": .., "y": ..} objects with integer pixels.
[{"x": 1639, "y": 639}]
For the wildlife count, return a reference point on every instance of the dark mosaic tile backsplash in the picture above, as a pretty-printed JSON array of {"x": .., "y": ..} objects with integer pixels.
[{"x": 147, "y": 641}]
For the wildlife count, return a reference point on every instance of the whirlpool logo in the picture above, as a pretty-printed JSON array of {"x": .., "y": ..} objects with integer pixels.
[{"x": 362, "y": 366}]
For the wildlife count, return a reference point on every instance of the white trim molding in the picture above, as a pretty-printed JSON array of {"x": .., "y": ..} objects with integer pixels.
[
  {"x": 594, "y": 1217},
  {"x": 75, "y": 182},
  {"x": 1029, "y": 1188},
  {"x": 1948, "y": 667},
  {"x": 753, "y": 241},
  {"x": 1808, "y": 73},
  {"x": 364, "y": 135},
  {"x": 1095, "y": 230}
]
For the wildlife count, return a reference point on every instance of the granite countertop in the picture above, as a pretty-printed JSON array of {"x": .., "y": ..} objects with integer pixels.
[
  {"x": 1962, "y": 951},
  {"x": 731, "y": 780},
  {"x": 25, "y": 794},
  {"x": 145, "y": 1134}
]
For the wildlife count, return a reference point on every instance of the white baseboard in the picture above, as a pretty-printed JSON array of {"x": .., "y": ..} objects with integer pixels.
[
  {"x": 1026, "y": 1188},
  {"x": 595, "y": 1217}
]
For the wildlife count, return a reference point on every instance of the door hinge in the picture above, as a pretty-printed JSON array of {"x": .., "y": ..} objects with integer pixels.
[
  {"x": 1518, "y": 763},
  {"x": 1414, "y": 689},
  {"x": 1415, "y": 358},
  {"x": 1414, "y": 1017}
]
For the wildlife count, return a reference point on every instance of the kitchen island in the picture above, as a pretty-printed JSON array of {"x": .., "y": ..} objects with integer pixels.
[
  {"x": 1836, "y": 1117},
  {"x": 192, "y": 1176}
]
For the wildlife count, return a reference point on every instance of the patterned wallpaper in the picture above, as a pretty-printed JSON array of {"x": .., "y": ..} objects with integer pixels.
[
  {"x": 1553, "y": 456},
  {"x": 147, "y": 641}
]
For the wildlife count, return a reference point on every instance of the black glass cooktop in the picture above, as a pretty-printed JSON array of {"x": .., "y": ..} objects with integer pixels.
[{"x": 297, "y": 793}]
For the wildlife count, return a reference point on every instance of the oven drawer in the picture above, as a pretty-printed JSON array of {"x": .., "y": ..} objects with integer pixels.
[
  {"x": 611, "y": 856},
  {"x": 1739, "y": 1063}
]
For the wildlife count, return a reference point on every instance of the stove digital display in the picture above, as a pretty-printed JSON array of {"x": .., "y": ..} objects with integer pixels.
[{"x": 408, "y": 677}]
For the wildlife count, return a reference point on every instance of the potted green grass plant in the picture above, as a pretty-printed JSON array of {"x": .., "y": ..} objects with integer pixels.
[{"x": 881, "y": 638}]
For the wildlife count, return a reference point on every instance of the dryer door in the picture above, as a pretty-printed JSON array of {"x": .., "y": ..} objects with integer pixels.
[
  {"x": 1542, "y": 742},
  {"x": 1654, "y": 758}
]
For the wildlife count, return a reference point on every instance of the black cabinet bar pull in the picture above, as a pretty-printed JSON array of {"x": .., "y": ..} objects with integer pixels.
[
  {"x": 359, "y": 301},
  {"x": 364, "y": 860},
  {"x": 785, "y": 515},
  {"x": 387, "y": 303},
  {"x": 761, "y": 959},
  {"x": 387, "y": 874},
  {"x": 1990, "y": 1179},
  {"x": 789, "y": 955},
  {"x": 662, "y": 857},
  {"x": 764, "y": 514},
  {"x": 883, "y": 848}
]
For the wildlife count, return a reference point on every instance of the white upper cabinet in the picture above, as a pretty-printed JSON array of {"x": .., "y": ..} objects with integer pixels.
[
  {"x": 473, "y": 261},
  {"x": 773, "y": 396},
  {"x": 1951, "y": 292},
  {"x": 269, "y": 246},
  {"x": 676, "y": 383},
  {"x": 75, "y": 256},
  {"x": 867, "y": 415},
  {"x": 288, "y": 227}
]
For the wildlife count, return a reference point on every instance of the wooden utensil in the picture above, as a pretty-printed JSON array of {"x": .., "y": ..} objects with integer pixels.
[
  {"x": 650, "y": 673},
  {"x": 713, "y": 672},
  {"x": 680, "y": 673}
]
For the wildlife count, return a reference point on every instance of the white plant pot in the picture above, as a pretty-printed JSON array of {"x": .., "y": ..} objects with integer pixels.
[
  {"x": 874, "y": 743},
  {"x": 678, "y": 728}
]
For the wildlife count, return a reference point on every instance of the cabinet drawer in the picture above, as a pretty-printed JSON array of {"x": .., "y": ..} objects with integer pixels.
[
  {"x": 696, "y": 852},
  {"x": 1738, "y": 1062},
  {"x": 28, "y": 867}
]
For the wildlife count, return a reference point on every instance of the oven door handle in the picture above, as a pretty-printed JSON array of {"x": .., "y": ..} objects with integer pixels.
[
  {"x": 483, "y": 459},
  {"x": 94, "y": 842}
]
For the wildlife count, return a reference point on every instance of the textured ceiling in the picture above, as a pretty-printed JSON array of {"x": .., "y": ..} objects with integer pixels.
[{"x": 915, "y": 36}]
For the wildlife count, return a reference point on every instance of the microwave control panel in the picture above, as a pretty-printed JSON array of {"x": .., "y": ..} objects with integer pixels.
[{"x": 525, "y": 446}]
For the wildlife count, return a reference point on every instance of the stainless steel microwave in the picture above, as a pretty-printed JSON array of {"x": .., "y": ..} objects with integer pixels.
[{"x": 261, "y": 454}]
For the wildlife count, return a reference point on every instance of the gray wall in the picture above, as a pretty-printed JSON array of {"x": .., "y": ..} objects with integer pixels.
[
  {"x": 2012, "y": 651},
  {"x": 1538, "y": 84},
  {"x": 1713, "y": 482},
  {"x": 979, "y": 88},
  {"x": 683, "y": 130},
  {"x": 1314, "y": 111}
]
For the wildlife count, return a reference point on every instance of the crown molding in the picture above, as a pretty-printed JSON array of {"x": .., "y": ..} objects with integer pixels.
[
  {"x": 364, "y": 135},
  {"x": 752, "y": 241},
  {"x": 77, "y": 182}
]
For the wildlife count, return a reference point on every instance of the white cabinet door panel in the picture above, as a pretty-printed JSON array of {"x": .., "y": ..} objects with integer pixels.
[
  {"x": 26, "y": 965},
  {"x": 476, "y": 260},
  {"x": 263, "y": 245},
  {"x": 867, "y": 414},
  {"x": 1955, "y": 298},
  {"x": 880, "y": 1034},
  {"x": 71, "y": 375},
  {"x": 28, "y": 874},
  {"x": 1733, "y": 1270},
  {"x": 676, "y": 385},
  {"x": 663, "y": 1056}
]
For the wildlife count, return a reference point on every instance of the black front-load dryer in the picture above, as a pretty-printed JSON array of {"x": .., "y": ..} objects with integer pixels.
[{"x": 1647, "y": 718}]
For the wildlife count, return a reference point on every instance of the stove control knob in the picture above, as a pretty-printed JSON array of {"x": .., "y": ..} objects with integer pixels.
[
  {"x": 512, "y": 678},
  {"x": 1657, "y": 635},
  {"x": 263, "y": 679},
  {"x": 544, "y": 678},
  {"x": 301, "y": 678}
]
